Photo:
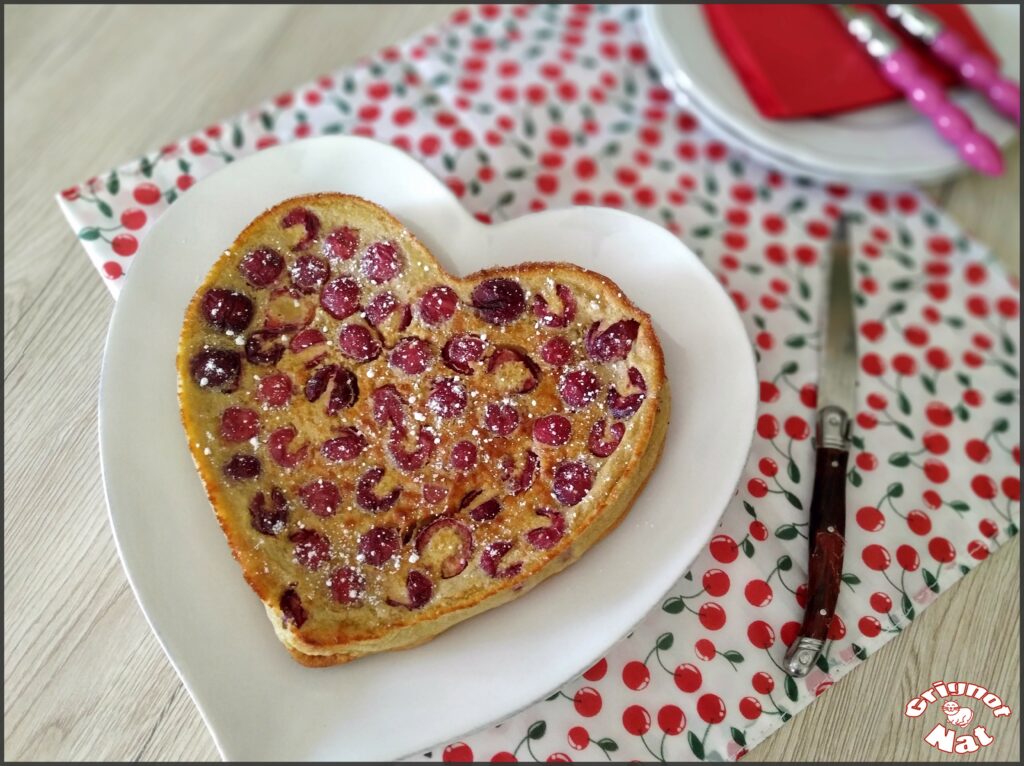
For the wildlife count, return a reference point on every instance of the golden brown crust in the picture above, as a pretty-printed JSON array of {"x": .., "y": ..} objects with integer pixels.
[{"x": 339, "y": 637}]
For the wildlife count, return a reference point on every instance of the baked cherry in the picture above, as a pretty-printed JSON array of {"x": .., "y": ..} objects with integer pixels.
[
  {"x": 340, "y": 297},
  {"x": 501, "y": 418},
  {"x": 418, "y": 589},
  {"x": 216, "y": 368},
  {"x": 312, "y": 549},
  {"x": 357, "y": 342},
  {"x": 499, "y": 301},
  {"x": 239, "y": 424},
  {"x": 543, "y": 538},
  {"x": 347, "y": 585},
  {"x": 491, "y": 557},
  {"x": 347, "y": 445},
  {"x": 227, "y": 310},
  {"x": 613, "y": 343},
  {"x": 486, "y": 511},
  {"x": 300, "y": 216},
  {"x": 459, "y": 547},
  {"x": 321, "y": 497},
  {"x": 261, "y": 267},
  {"x": 552, "y": 430},
  {"x": 622, "y": 407},
  {"x": 309, "y": 272},
  {"x": 417, "y": 458},
  {"x": 380, "y": 307},
  {"x": 464, "y": 456},
  {"x": 462, "y": 350},
  {"x": 269, "y": 518},
  {"x": 378, "y": 544},
  {"x": 437, "y": 305},
  {"x": 519, "y": 482},
  {"x": 556, "y": 351},
  {"x": 262, "y": 347},
  {"x": 578, "y": 388},
  {"x": 412, "y": 355},
  {"x": 381, "y": 262},
  {"x": 388, "y": 407},
  {"x": 571, "y": 481},
  {"x": 292, "y": 610},
  {"x": 598, "y": 444},
  {"x": 242, "y": 467},
  {"x": 345, "y": 392},
  {"x": 341, "y": 244},
  {"x": 367, "y": 498},
  {"x": 317, "y": 383},
  {"x": 274, "y": 390},
  {"x": 306, "y": 339},
  {"x": 521, "y": 380},
  {"x": 448, "y": 398},
  {"x": 549, "y": 318},
  {"x": 277, "y": 446}
]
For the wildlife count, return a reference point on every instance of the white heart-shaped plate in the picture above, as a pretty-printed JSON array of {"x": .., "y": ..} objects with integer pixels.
[{"x": 258, "y": 702}]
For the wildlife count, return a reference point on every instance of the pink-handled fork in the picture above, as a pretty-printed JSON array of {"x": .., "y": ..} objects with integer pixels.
[
  {"x": 924, "y": 94},
  {"x": 975, "y": 70}
]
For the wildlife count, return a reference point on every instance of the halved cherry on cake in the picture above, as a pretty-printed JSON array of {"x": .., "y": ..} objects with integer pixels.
[
  {"x": 347, "y": 445},
  {"x": 543, "y": 538},
  {"x": 300, "y": 216},
  {"x": 491, "y": 558},
  {"x": 514, "y": 370},
  {"x": 269, "y": 518},
  {"x": 547, "y": 316},
  {"x": 446, "y": 543},
  {"x": 614, "y": 342}
]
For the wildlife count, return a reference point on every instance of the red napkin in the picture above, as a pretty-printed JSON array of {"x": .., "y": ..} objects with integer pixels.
[{"x": 799, "y": 61}]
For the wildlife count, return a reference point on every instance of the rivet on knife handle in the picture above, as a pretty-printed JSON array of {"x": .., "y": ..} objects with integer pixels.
[{"x": 825, "y": 539}]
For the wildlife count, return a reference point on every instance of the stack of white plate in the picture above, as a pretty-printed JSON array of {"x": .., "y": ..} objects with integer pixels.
[{"x": 883, "y": 145}]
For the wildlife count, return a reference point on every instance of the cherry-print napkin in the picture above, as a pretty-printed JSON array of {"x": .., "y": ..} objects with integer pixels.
[{"x": 524, "y": 108}]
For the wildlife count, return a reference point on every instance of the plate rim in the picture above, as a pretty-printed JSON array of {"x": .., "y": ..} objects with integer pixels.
[
  {"x": 107, "y": 388},
  {"x": 792, "y": 158}
]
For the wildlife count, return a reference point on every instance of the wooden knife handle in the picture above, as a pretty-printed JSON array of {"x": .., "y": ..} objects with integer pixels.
[{"x": 826, "y": 539}]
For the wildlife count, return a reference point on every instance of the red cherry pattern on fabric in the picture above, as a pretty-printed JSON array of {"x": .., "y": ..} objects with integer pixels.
[{"x": 933, "y": 475}]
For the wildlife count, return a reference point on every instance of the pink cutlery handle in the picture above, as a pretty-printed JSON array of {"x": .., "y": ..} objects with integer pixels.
[
  {"x": 979, "y": 73},
  {"x": 953, "y": 124}
]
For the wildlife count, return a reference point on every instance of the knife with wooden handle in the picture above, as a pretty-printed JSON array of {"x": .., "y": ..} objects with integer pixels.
[{"x": 827, "y": 527}]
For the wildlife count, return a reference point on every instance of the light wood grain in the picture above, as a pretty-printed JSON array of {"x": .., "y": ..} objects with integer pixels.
[{"x": 85, "y": 87}]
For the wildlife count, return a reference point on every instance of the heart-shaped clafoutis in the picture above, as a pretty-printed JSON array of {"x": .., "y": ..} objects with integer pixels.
[{"x": 390, "y": 449}]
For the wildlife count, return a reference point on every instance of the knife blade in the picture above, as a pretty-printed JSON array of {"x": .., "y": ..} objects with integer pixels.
[{"x": 827, "y": 525}]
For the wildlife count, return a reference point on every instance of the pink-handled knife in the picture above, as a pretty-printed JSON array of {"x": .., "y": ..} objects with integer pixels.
[
  {"x": 924, "y": 94},
  {"x": 975, "y": 70}
]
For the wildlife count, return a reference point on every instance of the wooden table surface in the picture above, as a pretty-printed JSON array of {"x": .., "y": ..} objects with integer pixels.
[{"x": 84, "y": 88}]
